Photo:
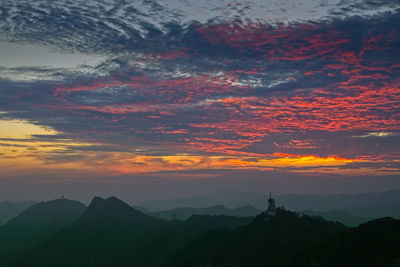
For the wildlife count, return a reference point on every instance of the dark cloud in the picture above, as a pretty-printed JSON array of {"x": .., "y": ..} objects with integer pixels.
[{"x": 215, "y": 88}]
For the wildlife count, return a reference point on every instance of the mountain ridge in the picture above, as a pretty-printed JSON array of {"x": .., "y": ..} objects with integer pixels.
[
  {"x": 36, "y": 224},
  {"x": 266, "y": 241},
  {"x": 183, "y": 213},
  {"x": 371, "y": 244}
]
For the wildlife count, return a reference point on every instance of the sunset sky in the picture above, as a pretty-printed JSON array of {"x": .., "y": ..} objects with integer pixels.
[{"x": 151, "y": 96}]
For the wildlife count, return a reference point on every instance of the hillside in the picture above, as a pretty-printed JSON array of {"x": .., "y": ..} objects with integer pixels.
[
  {"x": 35, "y": 225},
  {"x": 9, "y": 210},
  {"x": 266, "y": 241},
  {"x": 111, "y": 233},
  {"x": 338, "y": 216},
  {"x": 372, "y": 244},
  {"x": 108, "y": 233},
  {"x": 159, "y": 250}
]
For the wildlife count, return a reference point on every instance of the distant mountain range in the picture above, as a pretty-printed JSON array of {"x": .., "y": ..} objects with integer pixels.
[
  {"x": 109, "y": 232},
  {"x": 250, "y": 211},
  {"x": 368, "y": 205},
  {"x": 230, "y": 199},
  {"x": 350, "y": 209},
  {"x": 185, "y": 213}
]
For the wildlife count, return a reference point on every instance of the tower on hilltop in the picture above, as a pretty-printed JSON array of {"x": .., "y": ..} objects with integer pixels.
[{"x": 271, "y": 205}]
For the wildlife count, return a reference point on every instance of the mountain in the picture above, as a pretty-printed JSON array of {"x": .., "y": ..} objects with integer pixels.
[
  {"x": 266, "y": 241},
  {"x": 386, "y": 209},
  {"x": 35, "y": 225},
  {"x": 108, "y": 233},
  {"x": 159, "y": 250},
  {"x": 338, "y": 201},
  {"x": 368, "y": 205},
  {"x": 165, "y": 204},
  {"x": 221, "y": 197},
  {"x": 185, "y": 213},
  {"x": 112, "y": 211},
  {"x": 337, "y": 216},
  {"x": 372, "y": 244},
  {"x": 9, "y": 210},
  {"x": 111, "y": 233}
]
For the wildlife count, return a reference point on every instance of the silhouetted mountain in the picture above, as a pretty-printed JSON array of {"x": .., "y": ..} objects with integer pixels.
[
  {"x": 159, "y": 250},
  {"x": 264, "y": 242},
  {"x": 111, "y": 233},
  {"x": 9, "y": 210},
  {"x": 337, "y": 216},
  {"x": 114, "y": 211},
  {"x": 108, "y": 233},
  {"x": 372, "y": 244},
  {"x": 184, "y": 213},
  {"x": 35, "y": 225}
]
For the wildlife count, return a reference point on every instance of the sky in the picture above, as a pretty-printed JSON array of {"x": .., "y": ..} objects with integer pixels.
[{"x": 158, "y": 99}]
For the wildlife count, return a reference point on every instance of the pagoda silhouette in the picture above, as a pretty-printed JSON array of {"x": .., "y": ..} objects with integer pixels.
[
  {"x": 271, "y": 204},
  {"x": 271, "y": 210}
]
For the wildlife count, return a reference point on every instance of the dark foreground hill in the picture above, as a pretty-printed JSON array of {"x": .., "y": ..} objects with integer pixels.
[
  {"x": 108, "y": 233},
  {"x": 158, "y": 251},
  {"x": 289, "y": 240},
  {"x": 111, "y": 233},
  {"x": 372, "y": 244},
  {"x": 338, "y": 216},
  {"x": 36, "y": 224},
  {"x": 266, "y": 241}
]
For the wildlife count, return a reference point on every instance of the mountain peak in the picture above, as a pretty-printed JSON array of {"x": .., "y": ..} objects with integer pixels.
[
  {"x": 50, "y": 210},
  {"x": 112, "y": 210},
  {"x": 97, "y": 199},
  {"x": 107, "y": 203},
  {"x": 115, "y": 201}
]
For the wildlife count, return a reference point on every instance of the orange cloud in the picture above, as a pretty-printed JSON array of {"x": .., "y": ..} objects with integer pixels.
[{"x": 152, "y": 164}]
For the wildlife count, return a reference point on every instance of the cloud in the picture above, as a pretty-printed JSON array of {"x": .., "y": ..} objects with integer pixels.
[
  {"x": 375, "y": 134},
  {"x": 207, "y": 88}
]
